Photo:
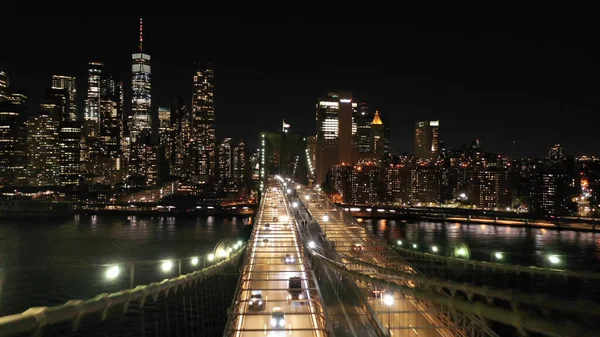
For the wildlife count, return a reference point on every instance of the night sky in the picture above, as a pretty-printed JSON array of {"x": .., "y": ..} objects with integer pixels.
[{"x": 519, "y": 94}]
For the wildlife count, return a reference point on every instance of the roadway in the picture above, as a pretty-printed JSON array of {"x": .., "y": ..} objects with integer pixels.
[
  {"x": 266, "y": 270},
  {"x": 405, "y": 316}
]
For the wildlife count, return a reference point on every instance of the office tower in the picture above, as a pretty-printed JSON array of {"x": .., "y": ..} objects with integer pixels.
[
  {"x": 334, "y": 139},
  {"x": 166, "y": 138},
  {"x": 377, "y": 137},
  {"x": 556, "y": 154},
  {"x": 92, "y": 103},
  {"x": 111, "y": 113},
  {"x": 181, "y": 124},
  {"x": 427, "y": 139},
  {"x": 13, "y": 112},
  {"x": 225, "y": 160},
  {"x": 70, "y": 165},
  {"x": 240, "y": 164},
  {"x": 3, "y": 86},
  {"x": 67, "y": 84},
  {"x": 141, "y": 87},
  {"x": 363, "y": 119},
  {"x": 425, "y": 187},
  {"x": 203, "y": 121},
  {"x": 43, "y": 147}
]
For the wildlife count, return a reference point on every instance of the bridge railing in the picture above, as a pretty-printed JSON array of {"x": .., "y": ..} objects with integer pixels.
[{"x": 75, "y": 310}]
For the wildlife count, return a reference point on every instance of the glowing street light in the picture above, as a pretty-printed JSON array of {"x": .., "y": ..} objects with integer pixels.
[
  {"x": 326, "y": 218},
  {"x": 222, "y": 253},
  {"x": 388, "y": 300},
  {"x": 399, "y": 242},
  {"x": 307, "y": 197},
  {"x": 112, "y": 272},
  {"x": 294, "y": 204},
  {"x": 236, "y": 246},
  {"x": 434, "y": 249},
  {"x": 166, "y": 266},
  {"x": 289, "y": 191},
  {"x": 461, "y": 252},
  {"x": 554, "y": 259},
  {"x": 240, "y": 243},
  {"x": 229, "y": 250},
  {"x": 498, "y": 255},
  {"x": 194, "y": 261},
  {"x": 414, "y": 245},
  {"x": 211, "y": 257},
  {"x": 312, "y": 245}
]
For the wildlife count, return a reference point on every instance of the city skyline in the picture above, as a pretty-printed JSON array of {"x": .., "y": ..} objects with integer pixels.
[{"x": 481, "y": 91}]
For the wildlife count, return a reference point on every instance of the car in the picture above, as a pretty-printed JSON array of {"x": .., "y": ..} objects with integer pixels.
[
  {"x": 357, "y": 247},
  {"x": 256, "y": 301},
  {"x": 265, "y": 241},
  {"x": 295, "y": 289},
  {"x": 288, "y": 259},
  {"x": 275, "y": 219},
  {"x": 267, "y": 226},
  {"x": 277, "y": 318}
]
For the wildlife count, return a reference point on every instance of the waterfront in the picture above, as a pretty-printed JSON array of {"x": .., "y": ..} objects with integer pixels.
[
  {"x": 525, "y": 246},
  {"x": 52, "y": 262}
]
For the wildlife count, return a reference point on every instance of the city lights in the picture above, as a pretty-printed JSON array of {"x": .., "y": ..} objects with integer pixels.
[
  {"x": 112, "y": 272},
  {"x": 166, "y": 266},
  {"x": 194, "y": 261}
]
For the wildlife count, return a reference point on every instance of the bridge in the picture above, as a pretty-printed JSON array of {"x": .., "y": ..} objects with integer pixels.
[{"x": 309, "y": 269}]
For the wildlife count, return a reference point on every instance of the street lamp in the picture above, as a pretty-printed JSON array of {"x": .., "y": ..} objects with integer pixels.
[
  {"x": 166, "y": 266},
  {"x": 211, "y": 257},
  {"x": 434, "y": 249},
  {"x": 194, "y": 261},
  {"x": 399, "y": 242},
  {"x": 294, "y": 204},
  {"x": 414, "y": 245},
  {"x": 325, "y": 219},
  {"x": 240, "y": 243},
  {"x": 307, "y": 197},
  {"x": 112, "y": 272},
  {"x": 499, "y": 255},
  {"x": 312, "y": 245},
  {"x": 554, "y": 259},
  {"x": 289, "y": 191}
]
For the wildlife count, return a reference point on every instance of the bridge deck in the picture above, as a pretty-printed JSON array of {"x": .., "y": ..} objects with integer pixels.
[
  {"x": 274, "y": 237},
  {"x": 405, "y": 316}
]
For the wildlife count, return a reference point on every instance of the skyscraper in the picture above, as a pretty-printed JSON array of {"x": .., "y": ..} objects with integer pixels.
[
  {"x": 334, "y": 140},
  {"x": 92, "y": 103},
  {"x": 13, "y": 112},
  {"x": 3, "y": 85},
  {"x": 69, "y": 86},
  {"x": 203, "y": 121},
  {"x": 180, "y": 121},
  {"x": 141, "y": 92},
  {"x": 43, "y": 150},
  {"x": 110, "y": 114},
  {"x": 70, "y": 165},
  {"x": 363, "y": 119},
  {"x": 427, "y": 140}
]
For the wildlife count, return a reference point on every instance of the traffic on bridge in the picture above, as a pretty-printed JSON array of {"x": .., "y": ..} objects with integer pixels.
[{"x": 277, "y": 295}]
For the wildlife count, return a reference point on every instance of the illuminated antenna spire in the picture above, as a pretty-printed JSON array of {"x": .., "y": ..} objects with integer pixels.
[{"x": 141, "y": 34}]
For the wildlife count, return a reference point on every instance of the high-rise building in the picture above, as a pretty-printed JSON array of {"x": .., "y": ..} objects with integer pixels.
[
  {"x": 427, "y": 139},
  {"x": 556, "y": 154},
  {"x": 240, "y": 164},
  {"x": 181, "y": 125},
  {"x": 166, "y": 137},
  {"x": 70, "y": 143},
  {"x": 225, "y": 160},
  {"x": 203, "y": 121},
  {"x": 141, "y": 87},
  {"x": 13, "y": 112},
  {"x": 43, "y": 147},
  {"x": 3, "y": 86},
  {"x": 425, "y": 185},
  {"x": 111, "y": 113},
  {"x": 363, "y": 118},
  {"x": 68, "y": 85},
  {"x": 377, "y": 143},
  {"x": 92, "y": 103},
  {"x": 334, "y": 139}
]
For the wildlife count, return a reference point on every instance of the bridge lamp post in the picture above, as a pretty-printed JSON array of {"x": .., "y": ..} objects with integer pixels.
[
  {"x": 194, "y": 261},
  {"x": 415, "y": 246},
  {"x": 325, "y": 219},
  {"x": 166, "y": 266},
  {"x": 211, "y": 257},
  {"x": 388, "y": 300},
  {"x": 399, "y": 242},
  {"x": 312, "y": 245},
  {"x": 307, "y": 197},
  {"x": 434, "y": 249},
  {"x": 498, "y": 256},
  {"x": 554, "y": 260},
  {"x": 112, "y": 272}
]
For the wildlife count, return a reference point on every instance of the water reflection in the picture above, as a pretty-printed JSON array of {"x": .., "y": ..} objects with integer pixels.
[
  {"x": 52, "y": 262},
  {"x": 528, "y": 246}
]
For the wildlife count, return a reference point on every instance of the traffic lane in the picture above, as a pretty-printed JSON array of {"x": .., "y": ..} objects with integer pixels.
[{"x": 404, "y": 318}]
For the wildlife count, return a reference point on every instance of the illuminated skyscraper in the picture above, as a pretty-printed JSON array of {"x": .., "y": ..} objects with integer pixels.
[
  {"x": 334, "y": 141},
  {"x": 68, "y": 86},
  {"x": 70, "y": 165},
  {"x": 3, "y": 85},
  {"x": 110, "y": 114},
  {"x": 92, "y": 103},
  {"x": 203, "y": 121},
  {"x": 43, "y": 147},
  {"x": 427, "y": 139},
  {"x": 141, "y": 92},
  {"x": 13, "y": 112}
]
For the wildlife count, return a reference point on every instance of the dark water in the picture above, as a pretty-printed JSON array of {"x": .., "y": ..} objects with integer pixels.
[
  {"x": 530, "y": 247},
  {"x": 50, "y": 263}
]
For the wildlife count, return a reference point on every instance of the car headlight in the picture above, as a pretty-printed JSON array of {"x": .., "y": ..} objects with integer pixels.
[
  {"x": 281, "y": 323},
  {"x": 259, "y": 302},
  {"x": 251, "y": 302},
  {"x": 273, "y": 322},
  {"x": 300, "y": 296}
]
